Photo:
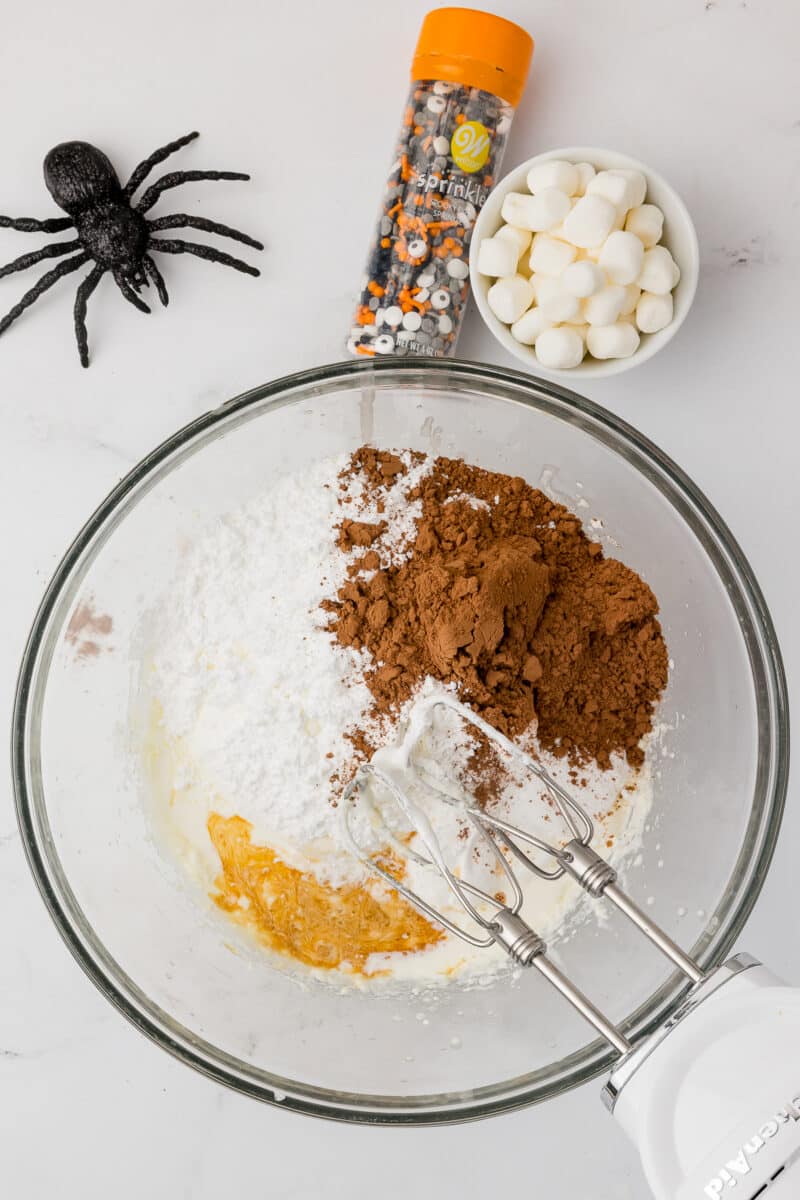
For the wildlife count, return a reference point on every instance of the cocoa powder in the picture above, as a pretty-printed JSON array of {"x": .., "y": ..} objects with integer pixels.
[{"x": 502, "y": 594}]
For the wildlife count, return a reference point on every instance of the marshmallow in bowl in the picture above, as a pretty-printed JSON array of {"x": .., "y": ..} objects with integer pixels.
[
  {"x": 578, "y": 264},
  {"x": 632, "y": 294},
  {"x": 583, "y": 278},
  {"x": 659, "y": 272},
  {"x": 554, "y": 173},
  {"x": 556, "y": 304},
  {"x": 498, "y": 256},
  {"x": 538, "y": 213},
  {"x": 647, "y": 222},
  {"x": 586, "y": 173},
  {"x": 590, "y": 222},
  {"x": 622, "y": 257},
  {"x": 619, "y": 340},
  {"x": 510, "y": 297},
  {"x": 560, "y": 348},
  {"x": 527, "y": 328},
  {"x": 653, "y": 312},
  {"x": 550, "y": 256},
  {"x": 512, "y": 233},
  {"x": 605, "y": 306}
]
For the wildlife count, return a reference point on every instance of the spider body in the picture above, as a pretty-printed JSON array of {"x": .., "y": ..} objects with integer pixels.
[{"x": 112, "y": 231}]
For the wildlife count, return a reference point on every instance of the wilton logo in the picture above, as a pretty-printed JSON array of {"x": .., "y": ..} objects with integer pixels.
[
  {"x": 470, "y": 146},
  {"x": 739, "y": 1166}
]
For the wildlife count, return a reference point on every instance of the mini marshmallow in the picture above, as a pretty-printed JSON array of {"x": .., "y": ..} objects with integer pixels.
[
  {"x": 632, "y": 294},
  {"x": 653, "y": 312},
  {"x": 509, "y": 297},
  {"x": 614, "y": 188},
  {"x": 586, "y": 174},
  {"x": 583, "y": 279},
  {"x": 619, "y": 340},
  {"x": 658, "y": 272},
  {"x": 549, "y": 256},
  {"x": 553, "y": 174},
  {"x": 497, "y": 256},
  {"x": 590, "y": 221},
  {"x": 621, "y": 257},
  {"x": 512, "y": 233},
  {"x": 554, "y": 303},
  {"x": 619, "y": 220},
  {"x": 637, "y": 184},
  {"x": 559, "y": 348},
  {"x": 528, "y": 327},
  {"x": 647, "y": 222},
  {"x": 539, "y": 213},
  {"x": 605, "y": 306}
]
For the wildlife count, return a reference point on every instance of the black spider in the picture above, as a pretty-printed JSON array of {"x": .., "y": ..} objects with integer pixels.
[{"x": 112, "y": 231}]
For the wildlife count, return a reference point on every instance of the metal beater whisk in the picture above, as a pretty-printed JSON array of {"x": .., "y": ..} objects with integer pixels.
[{"x": 500, "y": 921}]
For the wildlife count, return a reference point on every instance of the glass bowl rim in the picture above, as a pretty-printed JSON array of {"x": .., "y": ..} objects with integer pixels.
[{"x": 593, "y": 1058}]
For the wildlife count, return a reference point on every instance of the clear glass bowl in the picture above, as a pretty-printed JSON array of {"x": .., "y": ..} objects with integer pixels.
[{"x": 177, "y": 968}]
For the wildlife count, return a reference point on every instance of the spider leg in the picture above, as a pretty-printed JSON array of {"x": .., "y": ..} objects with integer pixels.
[
  {"x": 30, "y": 225},
  {"x": 128, "y": 292},
  {"x": 29, "y": 260},
  {"x": 158, "y": 156},
  {"x": 81, "y": 300},
  {"x": 182, "y": 221},
  {"x": 47, "y": 280},
  {"x": 150, "y": 196},
  {"x": 156, "y": 278},
  {"x": 211, "y": 254}
]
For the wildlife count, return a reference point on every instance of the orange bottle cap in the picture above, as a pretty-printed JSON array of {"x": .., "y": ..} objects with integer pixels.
[{"x": 477, "y": 49}]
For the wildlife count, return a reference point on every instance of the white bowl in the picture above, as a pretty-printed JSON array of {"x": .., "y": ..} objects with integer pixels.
[{"x": 679, "y": 237}]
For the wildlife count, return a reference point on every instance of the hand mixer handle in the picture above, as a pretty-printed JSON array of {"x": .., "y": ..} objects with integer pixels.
[
  {"x": 712, "y": 1098},
  {"x": 598, "y": 878}
]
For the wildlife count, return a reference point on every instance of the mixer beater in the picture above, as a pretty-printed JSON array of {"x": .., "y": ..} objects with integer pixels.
[{"x": 712, "y": 1097}]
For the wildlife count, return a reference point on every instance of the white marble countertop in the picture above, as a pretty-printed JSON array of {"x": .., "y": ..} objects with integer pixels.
[{"x": 307, "y": 96}]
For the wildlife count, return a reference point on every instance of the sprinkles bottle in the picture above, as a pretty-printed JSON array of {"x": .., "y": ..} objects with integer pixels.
[{"x": 468, "y": 73}]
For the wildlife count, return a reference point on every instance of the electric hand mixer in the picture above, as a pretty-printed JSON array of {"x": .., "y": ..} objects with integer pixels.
[{"x": 712, "y": 1098}]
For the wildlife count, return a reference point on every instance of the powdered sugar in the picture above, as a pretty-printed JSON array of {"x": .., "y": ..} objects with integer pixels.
[{"x": 254, "y": 698}]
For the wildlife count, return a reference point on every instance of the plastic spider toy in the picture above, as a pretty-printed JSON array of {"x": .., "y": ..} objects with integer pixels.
[{"x": 112, "y": 230}]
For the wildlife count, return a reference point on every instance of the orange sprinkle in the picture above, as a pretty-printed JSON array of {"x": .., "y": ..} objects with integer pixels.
[
  {"x": 404, "y": 167},
  {"x": 386, "y": 243},
  {"x": 418, "y": 129},
  {"x": 460, "y": 119},
  {"x": 375, "y": 288},
  {"x": 364, "y": 350},
  {"x": 365, "y": 315},
  {"x": 408, "y": 116}
]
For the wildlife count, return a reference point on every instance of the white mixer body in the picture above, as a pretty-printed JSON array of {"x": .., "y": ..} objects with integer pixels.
[{"x": 712, "y": 1101}]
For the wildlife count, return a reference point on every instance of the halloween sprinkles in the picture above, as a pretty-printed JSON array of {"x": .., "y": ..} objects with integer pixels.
[
  {"x": 451, "y": 142},
  {"x": 113, "y": 234}
]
